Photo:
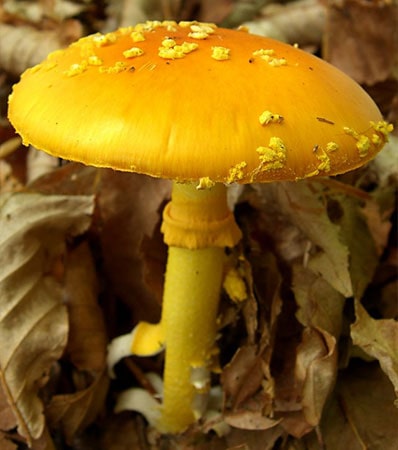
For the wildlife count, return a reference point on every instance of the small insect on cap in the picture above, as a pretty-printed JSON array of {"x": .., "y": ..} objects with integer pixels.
[{"x": 191, "y": 101}]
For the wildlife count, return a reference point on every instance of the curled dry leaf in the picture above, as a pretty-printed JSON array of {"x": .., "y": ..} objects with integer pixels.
[
  {"x": 316, "y": 370},
  {"x": 379, "y": 339},
  {"x": 33, "y": 319},
  {"x": 73, "y": 412},
  {"x": 360, "y": 414}
]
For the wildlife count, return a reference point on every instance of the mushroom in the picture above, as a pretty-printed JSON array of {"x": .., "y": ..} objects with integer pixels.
[{"x": 205, "y": 107}]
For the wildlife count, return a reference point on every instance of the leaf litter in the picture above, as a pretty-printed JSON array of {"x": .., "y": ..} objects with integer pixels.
[{"x": 308, "y": 344}]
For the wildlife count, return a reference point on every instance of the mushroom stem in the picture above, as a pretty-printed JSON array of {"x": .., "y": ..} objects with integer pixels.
[
  {"x": 197, "y": 226},
  {"x": 189, "y": 318}
]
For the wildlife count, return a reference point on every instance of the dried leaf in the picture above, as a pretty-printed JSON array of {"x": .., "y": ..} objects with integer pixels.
[
  {"x": 242, "y": 377},
  {"x": 379, "y": 339},
  {"x": 301, "y": 22},
  {"x": 7, "y": 418},
  {"x": 360, "y": 415},
  {"x": 73, "y": 412},
  {"x": 356, "y": 236},
  {"x": 130, "y": 207},
  {"x": 22, "y": 47},
  {"x": 316, "y": 370},
  {"x": 33, "y": 319},
  {"x": 320, "y": 306},
  {"x": 361, "y": 39},
  {"x": 87, "y": 341},
  {"x": 249, "y": 420},
  {"x": 6, "y": 444},
  {"x": 385, "y": 165},
  {"x": 303, "y": 204}
]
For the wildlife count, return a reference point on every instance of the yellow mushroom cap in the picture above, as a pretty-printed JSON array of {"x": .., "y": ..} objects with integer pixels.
[{"x": 192, "y": 101}]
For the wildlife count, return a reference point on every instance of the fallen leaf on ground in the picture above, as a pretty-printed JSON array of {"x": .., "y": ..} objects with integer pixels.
[
  {"x": 379, "y": 339},
  {"x": 360, "y": 415},
  {"x": 316, "y": 371},
  {"x": 360, "y": 39},
  {"x": 73, "y": 412},
  {"x": 87, "y": 341},
  {"x": 33, "y": 318},
  {"x": 319, "y": 305}
]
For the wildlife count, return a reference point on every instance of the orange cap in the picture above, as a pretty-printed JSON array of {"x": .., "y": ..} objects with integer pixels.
[{"x": 191, "y": 101}]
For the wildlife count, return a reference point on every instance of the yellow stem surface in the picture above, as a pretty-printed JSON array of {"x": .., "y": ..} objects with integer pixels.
[
  {"x": 197, "y": 226},
  {"x": 190, "y": 303}
]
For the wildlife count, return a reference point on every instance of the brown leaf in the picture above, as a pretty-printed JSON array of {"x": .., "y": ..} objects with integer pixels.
[
  {"x": 360, "y": 415},
  {"x": 87, "y": 336},
  {"x": 320, "y": 306},
  {"x": 6, "y": 444},
  {"x": 242, "y": 377},
  {"x": 249, "y": 420},
  {"x": 33, "y": 320},
  {"x": 361, "y": 39},
  {"x": 130, "y": 210},
  {"x": 316, "y": 370},
  {"x": 7, "y": 418},
  {"x": 378, "y": 338},
  {"x": 302, "y": 205},
  {"x": 73, "y": 412}
]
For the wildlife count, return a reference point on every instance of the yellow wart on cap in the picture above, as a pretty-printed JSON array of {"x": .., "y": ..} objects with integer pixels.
[
  {"x": 170, "y": 25},
  {"x": 137, "y": 36},
  {"x": 268, "y": 55},
  {"x": 205, "y": 183},
  {"x": 170, "y": 49},
  {"x": 332, "y": 146},
  {"x": 268, "y": 117},
  {"x": 363, "y": 145},
  {"x": 382, "y": 127},
  {"x": 323, "y": 158},
  {"x": 273, "y": 156},
  {"x": 200, "y": 31},
  {"x": 118, "y": 67},
  {"x": 351, "y": 132},
  {"x": 133, "y": 52},
  {"x": 236, "y": 172},
  {"x": 76, "y": 69},
  {"x": 100, "y": 40},
  {"x": 94, "y": 60},
  {"x": 220, "y": 53},
  {"x": 149, "y": 25}
]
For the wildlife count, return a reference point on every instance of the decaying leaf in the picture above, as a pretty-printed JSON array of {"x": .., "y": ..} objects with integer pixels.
[
  {"x": 71, "y": 413},
  {"x": 123, "y": 232},
  {"x": 33, "y": 318},
  {"x": 302, "y": 204},
  {"x": 316, "y": 371},
  {"x": 320, "y": 306},
  {"x": 378, "y": 338},
  {"x": 22, "y": 47},
  {"x": 360, "y": 414},
  {"x": 356, "y": 235},
  {"x": 300, "y": 21},
  {"x": 6, "y": 444},
  {"x": 361, "y": 39},
  {"x": 87, "y": 334}
]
